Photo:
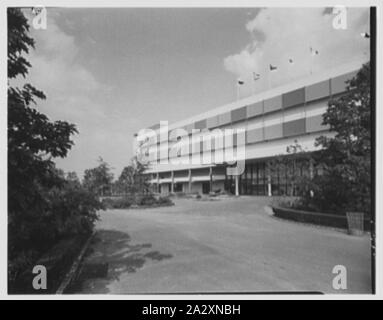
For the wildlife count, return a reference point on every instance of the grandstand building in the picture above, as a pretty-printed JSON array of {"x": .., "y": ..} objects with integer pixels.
[{"x": 271, "y": 120}]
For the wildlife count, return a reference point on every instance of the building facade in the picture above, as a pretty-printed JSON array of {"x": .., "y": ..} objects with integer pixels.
[{"x": 272, "y": 121}]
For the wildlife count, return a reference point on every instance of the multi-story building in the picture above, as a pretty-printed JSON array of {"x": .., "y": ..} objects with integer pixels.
[{"x": 272, "y": 120}]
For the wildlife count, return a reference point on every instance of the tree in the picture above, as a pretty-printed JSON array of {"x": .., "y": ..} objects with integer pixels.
[
  {"x": 291, "y": 167},
  {"x": 43, "y": 206},
  {"x": 99, "y": 179},
  {"x": 33, "y": 140},
  {"x": 345, "y": 182},
  {"x": 132, "y": 179},
  {"x": 72, "y": 178}
]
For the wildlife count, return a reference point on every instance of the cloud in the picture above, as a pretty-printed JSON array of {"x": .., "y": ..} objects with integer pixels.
[
  {"x": 55, "y": 66},
  {"x": 280, "y": 34},
  {"x": 73, "y": 94}
]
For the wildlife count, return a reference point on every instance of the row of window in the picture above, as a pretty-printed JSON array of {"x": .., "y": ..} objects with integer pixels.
[
  {"x": 257, "y": 176},
  {"x": 327, "y": 88},
  {"x": 276, "y": 131}
]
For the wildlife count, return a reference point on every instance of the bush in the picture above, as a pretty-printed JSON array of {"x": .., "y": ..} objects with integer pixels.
[
  {"x": 145, "y": 200},
  {"x": 74, "y": 210},
  {"x": 66, "y": 211},
  {"x": 330, "y": 194},
  {"x": 117, "y": 203},
  {"x": 142, "y": 200},
  {"x": 165, "y": 201}
]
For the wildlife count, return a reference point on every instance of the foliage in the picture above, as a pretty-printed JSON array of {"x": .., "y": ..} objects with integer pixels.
[
  {"x": 140, "y": 200},
  {"x": 117, "y": 203},
  {"x": 67, "y": 210},
  {"x": 344, "y": 181},
  {"x": 145, "y": 200},
  {"x": 297, "y": 159},
  {"x": 73, "y": 209},
  {"x": 43, "y": 206},
  {"x": 99, "y": 179},
  {"x": 165, "y": 201},
  {"x": 32, "y": 139},
  {"x": 132, "y": 179},
  {"x": 73, "y": 178}
]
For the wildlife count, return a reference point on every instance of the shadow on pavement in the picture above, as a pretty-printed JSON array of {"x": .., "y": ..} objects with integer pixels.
[{"x": 109, "y": 255}]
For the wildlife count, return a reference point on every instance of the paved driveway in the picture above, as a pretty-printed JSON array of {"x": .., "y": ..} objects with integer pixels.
[{"x": 226, "y": 245}]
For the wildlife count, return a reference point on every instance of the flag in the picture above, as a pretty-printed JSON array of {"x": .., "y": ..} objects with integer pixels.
[
  {"x": 240, "y": 82},
  {"x": 314, "y": 52},
  {"x": 272, "y": 68},
  {"x": 256, "y": 76},
  {"x": 365, "y": 35}
]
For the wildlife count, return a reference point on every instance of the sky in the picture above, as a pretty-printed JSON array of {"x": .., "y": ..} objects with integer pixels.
[{"x": 115, "y": 71}]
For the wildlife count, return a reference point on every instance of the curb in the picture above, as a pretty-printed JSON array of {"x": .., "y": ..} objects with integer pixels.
[{"x": 72, "y": 273}]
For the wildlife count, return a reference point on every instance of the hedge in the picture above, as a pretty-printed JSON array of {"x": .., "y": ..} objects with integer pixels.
[{"x": 323, "y": 219}]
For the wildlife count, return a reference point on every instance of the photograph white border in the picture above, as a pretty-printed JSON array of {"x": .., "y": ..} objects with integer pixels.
[{"x": 173, "y": 3}]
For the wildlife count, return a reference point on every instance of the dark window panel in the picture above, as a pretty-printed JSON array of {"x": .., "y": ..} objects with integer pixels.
[
  {"x": 294, "y": 127},
  {"x": 338, "y": 84},
  {"x": 317, "y": 91},
  {"x": 293, "y": 98},
  {"x": 224, "y": 118},
  {"x": 200, "y": 124},
  {"x": 212, "y": 122},
  {"x": 272, "y": 104},
  {"x": 238, "y": 114},
  {"x": 254, "y": 135},
  {"x": 254, "y": 109},
  {"x": 273, "y": 132},
  {"x": 314, "y": 124}
]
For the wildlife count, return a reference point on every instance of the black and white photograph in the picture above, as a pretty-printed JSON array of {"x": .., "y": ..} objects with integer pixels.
[{"x": 189, "y": 150}]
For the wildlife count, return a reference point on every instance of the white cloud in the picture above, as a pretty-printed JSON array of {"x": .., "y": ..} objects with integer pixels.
[
  {"x": 72, "y": 95},
  {"x": 54, "y": 62},
  {"x": 279, "y": 34}
]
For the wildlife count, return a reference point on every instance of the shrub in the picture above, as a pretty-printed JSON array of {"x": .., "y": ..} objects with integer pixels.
[
  {"x": 74, "y": 210},
  {"x": 145, "y": 200},
  {"x": 117, "y": 203},
  {"x": 165, "y": 201},
  {"x": 66, "y": 211}
]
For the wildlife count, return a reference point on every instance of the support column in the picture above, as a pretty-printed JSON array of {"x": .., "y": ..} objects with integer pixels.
[
  {"x": 311, "y": 170},
  {"x": 190, "y": 181},
  {"x": 158, "y": 182},
  {"x": 236, "y": 185},
  {"x": 172, "y": 183},
  {"x": 211, "y": 179},
  {"x": 269, "y": 192}
]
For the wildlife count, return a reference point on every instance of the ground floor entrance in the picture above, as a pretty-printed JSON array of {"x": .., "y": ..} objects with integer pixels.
[{"x": 261, "y": 178}]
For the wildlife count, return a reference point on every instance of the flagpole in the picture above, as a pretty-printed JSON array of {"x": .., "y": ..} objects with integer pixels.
[
  {"x": 311, "y": 64},
  {"x": 291, "y": 62},
  {"x": 256, "y": 77},
  {"x": 253, "y": 85},
  {"x": 268, "y": 79},
  {"x": 311, "y": 59}
]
